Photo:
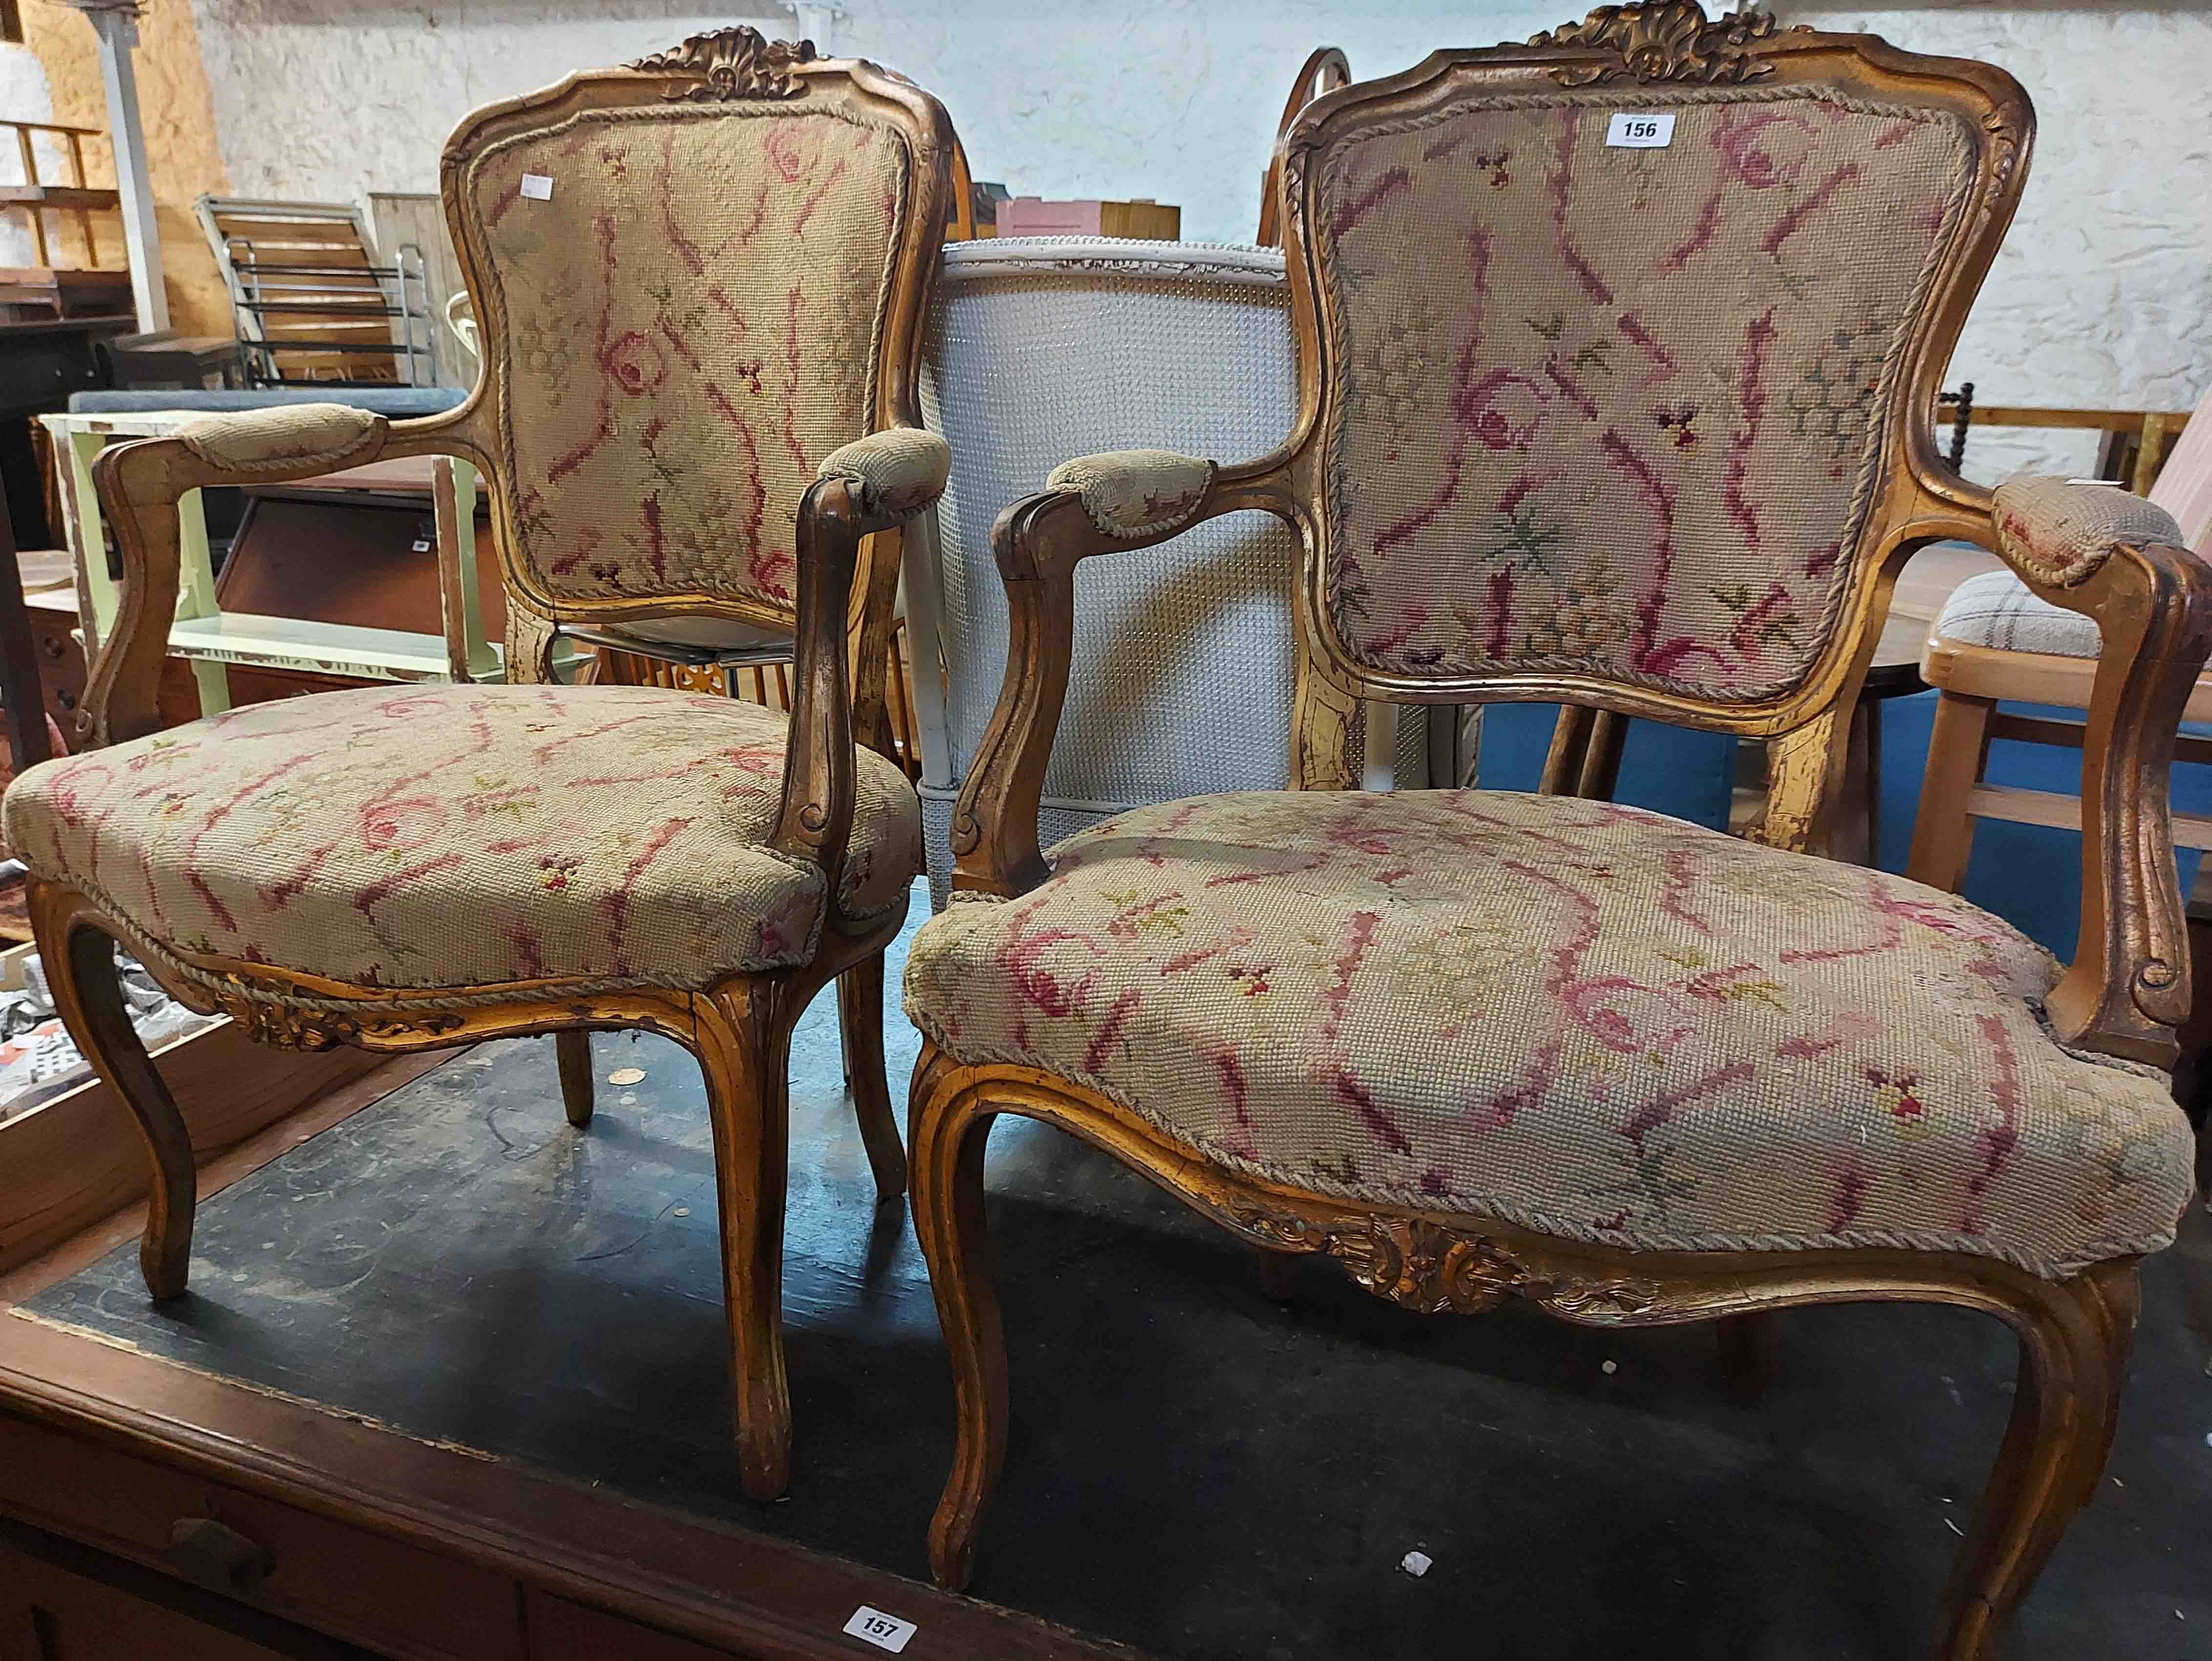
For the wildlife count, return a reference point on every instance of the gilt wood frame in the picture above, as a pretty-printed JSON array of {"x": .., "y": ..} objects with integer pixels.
[
  {"x": 739, "y": 1027},
  {"x": 2126, "y": 993}
]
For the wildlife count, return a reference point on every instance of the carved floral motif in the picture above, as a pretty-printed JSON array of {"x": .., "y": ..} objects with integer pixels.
[
  {"x": 288, "y": 1026},
  {"x": 735, "y": 62},
  {"x": 1433, "y": 1269},
  {"x": 1663, "y": 41}
]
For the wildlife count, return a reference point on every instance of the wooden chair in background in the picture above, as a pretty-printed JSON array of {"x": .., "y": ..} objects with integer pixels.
[
  {"x": 414, "y": 868},
  {"x": 1475, "y": 1044},
  {"x": 2132, "y": 445}
]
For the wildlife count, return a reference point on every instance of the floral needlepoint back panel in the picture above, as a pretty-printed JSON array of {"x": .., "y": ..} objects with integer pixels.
[
  {"x": 689, "y": 303},
  {"x": 1618, "y": 409}
]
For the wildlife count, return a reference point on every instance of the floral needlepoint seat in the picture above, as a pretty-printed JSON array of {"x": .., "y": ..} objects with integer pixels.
[
  {"x": 699, "y": 281},
  {"x": 440, "y": 837},
  {"x": 1642, "y": 429},
  {"x": 1589, "y": 1020}
]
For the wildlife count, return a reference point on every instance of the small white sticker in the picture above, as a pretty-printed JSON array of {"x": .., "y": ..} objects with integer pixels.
[
  {"x": 1416, "y": 1563},
  {"x": 538, "y": 187},
  {"x": 1634, "y": 130},
  {"x": 886, "y": 1632}
]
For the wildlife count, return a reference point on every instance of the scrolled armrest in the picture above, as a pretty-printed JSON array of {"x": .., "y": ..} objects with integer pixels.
[
  {"x": 1136, "y": 492},
  {"x": 846, "y": 592},
  {"x": 2117, "y": 560},
  {"x": 2053, "y": 532},
  {"x": 1116, "y": 503},
  {"x": 899, "y": 471},
  {"x": 140, "y": 483},
  {"x": 282, "y": 438}
]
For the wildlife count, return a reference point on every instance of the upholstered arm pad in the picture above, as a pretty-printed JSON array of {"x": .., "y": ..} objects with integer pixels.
[
  {"x": 287, "y": 437},
  {"x": 1136, "y": 492},
  {"x": 2059, "y": 533},
  {"x": 899, "y": 470}
]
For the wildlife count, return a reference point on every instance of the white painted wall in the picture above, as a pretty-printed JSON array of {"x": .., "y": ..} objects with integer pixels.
[{"x": 2103, "y": 296}]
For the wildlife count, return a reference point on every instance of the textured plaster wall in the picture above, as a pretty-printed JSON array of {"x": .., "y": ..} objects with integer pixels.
[
  {"x": 2103, "y": 296},
  {"x": 328, "y": 99},
  {"x": 178, "y": 116}
]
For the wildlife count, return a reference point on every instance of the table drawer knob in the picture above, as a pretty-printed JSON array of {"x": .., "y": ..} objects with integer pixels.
[{"x": 213, "y": 1554}]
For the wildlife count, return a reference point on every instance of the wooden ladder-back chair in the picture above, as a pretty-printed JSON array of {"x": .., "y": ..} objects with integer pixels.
[
  {"x": 1646, "y": 431},
  {"x": 699, "y": 281}
]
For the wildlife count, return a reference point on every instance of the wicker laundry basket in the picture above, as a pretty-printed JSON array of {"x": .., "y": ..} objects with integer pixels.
[{"x": 1046, "y": 348}]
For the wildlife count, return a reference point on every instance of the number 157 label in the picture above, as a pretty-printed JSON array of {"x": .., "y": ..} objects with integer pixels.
[
  {"x": 886, "y": 1632},
  {"x": 1641, "y": 130}
]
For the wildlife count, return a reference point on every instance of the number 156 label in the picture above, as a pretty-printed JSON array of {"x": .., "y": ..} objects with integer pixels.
[{"x": 1641, "y": 130}]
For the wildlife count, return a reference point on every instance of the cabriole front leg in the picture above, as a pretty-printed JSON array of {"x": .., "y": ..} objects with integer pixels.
[
  {"x": 947, "y": 1131},
  {"x": 2073, "y": 1355},
  {"x": 78, "y": 951},
  {"x": 742, "y": 1040}
]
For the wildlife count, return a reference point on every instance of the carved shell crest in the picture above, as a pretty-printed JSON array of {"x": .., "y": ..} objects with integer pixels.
[
  {"x": 729, "y": 63},
  {"x": 1663, "y": 41}
]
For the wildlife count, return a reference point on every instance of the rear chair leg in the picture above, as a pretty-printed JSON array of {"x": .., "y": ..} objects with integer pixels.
[
  {"x": 1746, "y": 1348},
  {"x": 1278, "y": 1277},
  {"x": 574, "y": 1051},
  {"x": 860, "y": 1025}
]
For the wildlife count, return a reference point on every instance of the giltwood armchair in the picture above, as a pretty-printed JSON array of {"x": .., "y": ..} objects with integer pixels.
[
  {"x": 700, "y": 281},
  {"x": 1643, "y": 430}
]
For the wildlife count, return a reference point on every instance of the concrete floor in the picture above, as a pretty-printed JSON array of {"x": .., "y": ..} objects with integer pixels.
[{"x": 1196, "y": 1470}]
